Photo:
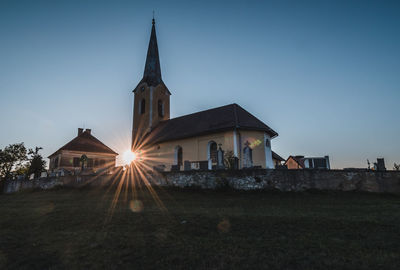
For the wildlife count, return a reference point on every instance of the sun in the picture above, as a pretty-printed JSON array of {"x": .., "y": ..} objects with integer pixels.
[{"x": 128, "y": 157}]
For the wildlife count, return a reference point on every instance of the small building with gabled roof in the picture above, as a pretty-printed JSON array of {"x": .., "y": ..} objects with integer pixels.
[
  {"x": 84, "y": 151},
  {"x": 295, "y": 162}
]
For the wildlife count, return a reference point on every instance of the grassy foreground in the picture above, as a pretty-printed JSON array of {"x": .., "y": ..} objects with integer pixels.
[{"x": 77, "y": 229}]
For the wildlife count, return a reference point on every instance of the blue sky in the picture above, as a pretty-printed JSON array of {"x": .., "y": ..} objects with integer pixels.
[{"x": 324, "y": 74}]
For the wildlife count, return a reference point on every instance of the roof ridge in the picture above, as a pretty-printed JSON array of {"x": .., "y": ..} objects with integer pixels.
[
  {"x": 256, "y": 118},
  {"x": 232, "y": 104},
  {"x": 227, "y": 117},
  {"x": 89, "y": 136},
  {"x": 100, "y": 142}
]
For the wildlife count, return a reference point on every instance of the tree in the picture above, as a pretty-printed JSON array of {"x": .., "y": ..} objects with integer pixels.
[
  {"x": 37, "y": 164},
  {"x": 22, "y": 170},
  {"x": 396, "y": 167},
  {"x": 12, "y": 157}
]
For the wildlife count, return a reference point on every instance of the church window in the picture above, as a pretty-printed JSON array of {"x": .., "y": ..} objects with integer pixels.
[
  {"x": 142, "y": 106},
  {"x": 76, "y": 162},
  {"x": 247, "y": 156},
  {"x": 142, "y": 88},
  {"x": 212, "y": 150},
  {"x": 178, "y": 155},
  {"x": 56, "y": 162},
  {"x": 160, "y": 108},
  {"x": 90, "y": 163}
]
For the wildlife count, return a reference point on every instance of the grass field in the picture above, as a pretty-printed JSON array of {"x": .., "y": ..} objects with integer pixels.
[{"x": 79, "y": 229}]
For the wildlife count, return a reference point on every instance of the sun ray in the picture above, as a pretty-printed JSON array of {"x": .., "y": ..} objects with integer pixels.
[{"x": 137, "y": 172}]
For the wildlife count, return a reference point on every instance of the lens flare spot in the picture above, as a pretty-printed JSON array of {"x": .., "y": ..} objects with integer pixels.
[
  {"x": 224, "y": 226},
  {"x": 128, "y": 157},
  {"x": 136, "y": 206}
]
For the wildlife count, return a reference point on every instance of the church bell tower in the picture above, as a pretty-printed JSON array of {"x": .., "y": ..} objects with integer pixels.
[{"x": 151, "y": 96}]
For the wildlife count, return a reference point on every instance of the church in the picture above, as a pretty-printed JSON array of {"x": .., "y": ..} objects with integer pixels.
[{"x": 194, "y": 141}]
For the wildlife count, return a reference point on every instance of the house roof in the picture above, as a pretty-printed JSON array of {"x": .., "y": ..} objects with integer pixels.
[
  {"x": 218, "y": 119},
  {"x": 299, "y": 160},
  {"x": 277, "y": 157},
  {"x": 86, "y": 142}
]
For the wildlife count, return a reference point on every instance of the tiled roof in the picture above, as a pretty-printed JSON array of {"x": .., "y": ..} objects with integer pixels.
[
  {"x": 86, "y": 142},
  {"x": 213, "y": 120}
]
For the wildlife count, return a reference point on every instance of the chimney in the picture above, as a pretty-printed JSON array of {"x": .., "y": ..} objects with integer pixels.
[
  {"x": 80, "y": 131},
  {"x": 88, "y": 130}
]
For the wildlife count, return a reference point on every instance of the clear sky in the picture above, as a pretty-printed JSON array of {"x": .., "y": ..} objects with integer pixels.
[{"x": 324, "y": 74}]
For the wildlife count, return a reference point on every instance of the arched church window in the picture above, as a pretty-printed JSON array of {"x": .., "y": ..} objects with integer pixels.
[
  {"x": 142, "y": 106},
  {"x": 160, "y": 108},
  {"x": 76, "y": 162},
  {"x": 212, "y": 151},
  {"x": 178, "y": 155},
  {"x": 247, "y": 156}
]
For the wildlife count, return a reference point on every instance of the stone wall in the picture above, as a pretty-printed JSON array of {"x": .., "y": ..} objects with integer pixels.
[
  {"x": 11, "y": 186},
  {"x": 287, "y": 180},
  {"x": 284, "y": 180}
]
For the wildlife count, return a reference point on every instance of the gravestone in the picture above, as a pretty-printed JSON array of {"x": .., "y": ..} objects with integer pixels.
[
  {"x": 220, "y": 159},
  {"x": 175, "y": 168},
  {"x": 186, "y": 165},
  {"x": 247, "y": 156}
]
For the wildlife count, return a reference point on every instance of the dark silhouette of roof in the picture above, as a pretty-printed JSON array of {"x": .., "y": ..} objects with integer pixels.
[
  {"x": 86, "y": 142},
  {"x": 223, "y": 118},
  {"x": 277, "y": 157}
]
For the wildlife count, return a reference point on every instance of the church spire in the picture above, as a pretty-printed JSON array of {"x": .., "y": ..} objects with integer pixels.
[
  {"x": 151, "y": 95},
  {"x": 152, "y": 70}
]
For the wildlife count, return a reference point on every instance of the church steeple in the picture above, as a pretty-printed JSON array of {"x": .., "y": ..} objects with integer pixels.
[
  {"x": 151, "y": 95},
  {"x": 152, "y": 70}
]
